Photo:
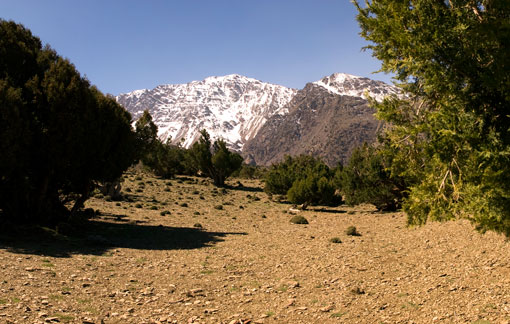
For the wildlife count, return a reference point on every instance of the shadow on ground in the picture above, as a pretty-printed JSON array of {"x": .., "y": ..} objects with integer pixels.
[
  {"x": 98, "y": 237},
  {"x": 328, "y": 210},
  {"x": 245, "y": 188}
]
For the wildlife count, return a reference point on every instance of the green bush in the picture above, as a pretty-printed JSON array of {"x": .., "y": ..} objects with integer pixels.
[
  {"x": 312, "y": 190},
  {"x": 214, "y": 160},
  {"x": 367, "y": 179},
  {"x": 250, "y": 172},
  {"x": 304, "y": 179}
]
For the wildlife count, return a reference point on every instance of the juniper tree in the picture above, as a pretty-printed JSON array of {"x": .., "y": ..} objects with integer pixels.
[
  {"x": 450, "y": 133},
  {"x": 146, "y": 134},
  {"x": 367, "y": 179},
  {"x": 304, "y": 179},
  {"x": 215, "y": 161},
  {"x": 58, "y": 134}
]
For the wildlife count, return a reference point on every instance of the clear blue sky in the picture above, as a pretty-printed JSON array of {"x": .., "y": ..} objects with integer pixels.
[{"x": 124, "y": 45}]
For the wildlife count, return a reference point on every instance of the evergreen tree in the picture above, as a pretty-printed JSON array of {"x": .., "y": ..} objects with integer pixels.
[
  {"x": 313, "y": 189},
  {"x": 281, "y": 176},
  {"x": 367, "y": 179},
  {"x": 164, "y": 159},
  {"x": 215, "y": 161},
  {"x": 304, "y": 179},
  {"x": 58, "y": 134},
  {"x": 450, "y": 133},
  {"x": 146, "y": 134}
]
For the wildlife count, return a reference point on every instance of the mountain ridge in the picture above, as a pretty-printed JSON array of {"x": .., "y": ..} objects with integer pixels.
[
  {"x": 237, "y": 109},
  {"x": 233, "y": 107}
]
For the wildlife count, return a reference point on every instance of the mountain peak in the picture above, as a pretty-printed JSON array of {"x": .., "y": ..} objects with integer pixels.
[
  {"x": 236, "y": 78},
  {"x": 232, "y": 107},
  {"x": 342, "y": 77},
  {"x": 355, "y": 86}
]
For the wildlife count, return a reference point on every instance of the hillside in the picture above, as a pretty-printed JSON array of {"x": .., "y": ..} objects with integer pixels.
[
  {"x": 246, "y": 263},
  {"x": 319, "y": 123}
]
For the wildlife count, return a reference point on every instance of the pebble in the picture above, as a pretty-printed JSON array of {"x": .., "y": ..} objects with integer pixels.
[
  {"x": 211, "y": 310},
  {"x": 52, "y": 319},
  {"x": 290, "y": 302},
  {"x": 326, "y": 309}
]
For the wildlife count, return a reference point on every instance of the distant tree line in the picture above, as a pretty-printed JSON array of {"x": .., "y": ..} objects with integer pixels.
[{"x": 213, "y": 160}]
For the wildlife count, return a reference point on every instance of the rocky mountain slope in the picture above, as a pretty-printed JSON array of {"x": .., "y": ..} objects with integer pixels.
[
  {"x": 327, "y": 118},
  {"x": 264, "y": 121},
  {"x": 232, "y": 107}
]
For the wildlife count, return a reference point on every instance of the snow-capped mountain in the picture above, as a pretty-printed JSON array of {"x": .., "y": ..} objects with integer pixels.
[
  {"x": 232, "y": 107},
  {"x": 354, "y": 86},
  {"x": 328, "y": 118}
]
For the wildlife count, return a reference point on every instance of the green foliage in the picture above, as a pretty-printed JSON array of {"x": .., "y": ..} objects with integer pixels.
[
  {"x": 450, "y": 134},
  {"x": 164, "y": 159},
  {"x": 58, "y": 134},
  {"x": 215, "y": 161},
  {"x": 313, "y": 189},
  {"x": 167, "y": 160},
  {"x": 250, "y": 172},
  {"x": 281, "y": 176},
  {"x": 146, "y": 134},
  {"x": 304, "y": 179},
  {"x": 367, "y": 179}
]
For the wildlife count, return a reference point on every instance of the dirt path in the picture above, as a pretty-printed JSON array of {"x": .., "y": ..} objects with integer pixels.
[{"x": 249, "y": 263}]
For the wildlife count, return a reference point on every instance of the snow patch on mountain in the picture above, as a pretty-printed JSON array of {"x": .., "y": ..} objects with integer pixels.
[
  {"x": 232, "y": 107},
  {"x": 355, "y": 86}
]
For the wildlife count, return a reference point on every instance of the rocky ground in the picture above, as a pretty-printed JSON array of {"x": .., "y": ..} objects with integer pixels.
[{"x": 182, "y": 251}]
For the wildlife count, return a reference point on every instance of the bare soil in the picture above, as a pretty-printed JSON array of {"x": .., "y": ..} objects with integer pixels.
[{"x": 234, "y": 257}]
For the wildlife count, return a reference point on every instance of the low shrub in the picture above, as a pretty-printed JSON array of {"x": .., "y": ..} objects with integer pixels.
[
  {"x": 367, "y": 179},
  {"x": 298, "y": 219},
  {"x": 335, "y": 240},
  {"x": 352, "y": 231}
]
